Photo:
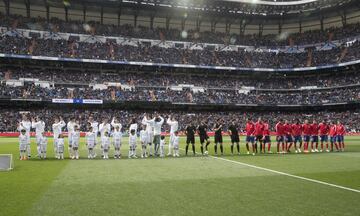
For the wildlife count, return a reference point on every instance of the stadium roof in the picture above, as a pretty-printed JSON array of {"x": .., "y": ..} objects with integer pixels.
[{"x": 224, "y": 9}]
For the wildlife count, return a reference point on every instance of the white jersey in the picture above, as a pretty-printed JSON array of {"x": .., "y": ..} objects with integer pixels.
[
  {"x": 162, "y": 142},
  {"x": 132, "y": 139},
  {"x": 23, "y": 141},
  {"x": 174, "y": 125},
  {"x": 117, "y": 135},
  {"x": 90, "y": 139},
  {"x": 149, "y": 125},
  {"x": 57, "y": 128},
  {"x": 39, "y": 127},
  {"x": 71, "y": 127},
  {"x": 44, "y": 141},
  {"x": 117, "y": 124},
  {"x": 133, "y": 127},
  {"x": 95, "y": 127},
  {"x": 157, "y": 126},
  {"x": 105, "y": 142},
  {"x": 25, "y": 125},
  {"x": 143, "y": 136},
  {"x": 75, "y": 138},
  {"x": 103, "y": 128},
  {"x": 60, "y": 142},
  {"x": 176, "y": 141}
]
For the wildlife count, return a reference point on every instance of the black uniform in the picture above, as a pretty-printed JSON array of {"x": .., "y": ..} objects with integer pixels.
[
  {"x": 234, "y": 134},
  {"x": 218, "y": 134},
  {"x": 190, "y": 134},
  {"x": 203, "y": 133}
]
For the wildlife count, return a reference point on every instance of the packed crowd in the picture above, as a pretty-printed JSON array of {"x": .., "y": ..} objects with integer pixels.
[
  {"x": 10, "y": 117},
  {"x": 155, "y": 54},
  {"x": 126, "y": 30},
  {"x": 136, "y": 78},
  {"x": 208, "y": 96}
]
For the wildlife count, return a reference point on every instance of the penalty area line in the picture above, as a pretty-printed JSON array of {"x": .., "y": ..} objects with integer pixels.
[{"x": 287, "y": 174}]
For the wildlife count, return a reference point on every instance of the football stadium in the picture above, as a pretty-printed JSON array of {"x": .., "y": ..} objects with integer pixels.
[{"x": 179, "y": 107}]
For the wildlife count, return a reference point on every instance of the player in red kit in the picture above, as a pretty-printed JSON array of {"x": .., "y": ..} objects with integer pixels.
[
  {"x": 324, "y": 131},
  {"x": 259, "y": 133},
  {"x": 340, "y": 133},
  {"x": 332, "y": 134},
  {"x": 297, "y": 129},
  {"x": 314, "y": 136},
  {"x": 279, "y": 127},
  {"x": 307, "y": 133},
  {"x": 288, "y": 136},
  {"x": 250, "y": 130},
  {"x": 266, "y": 139}
]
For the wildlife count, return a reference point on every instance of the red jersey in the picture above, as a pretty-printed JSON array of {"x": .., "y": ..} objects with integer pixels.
[
  {"x": 340, "y": 130},
  {"x": 323, "y": 129},
  {"x": 266, "y": 130},
  {"x": 297, "y": 129},
  {"x": 314, "y": 129},
  {"x": 279, "y": 127},
  {"x": 306, "y": 129},
  {"x": 332, "y": 131},
  {"x": 287, "y": 129},
  {"x": 250, "y": 128},
  {"x": 259, "y": 128}
]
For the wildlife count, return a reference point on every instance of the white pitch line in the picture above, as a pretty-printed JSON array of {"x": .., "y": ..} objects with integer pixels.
[{"x": 285, "y": 174}]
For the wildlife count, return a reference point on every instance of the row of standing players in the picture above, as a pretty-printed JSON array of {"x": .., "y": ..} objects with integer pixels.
[{"x": 152, "y": 143}]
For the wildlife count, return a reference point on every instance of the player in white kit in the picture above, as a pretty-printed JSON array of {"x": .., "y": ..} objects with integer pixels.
[
  {"x": 39, "y": 127},
  {"x": 144, "y": 141},
  {"x": 132, "y": 144},
  {"x": 105, "y": 144},
  {"x": 71, "y": 129},
  {"x": 90, "y": 142},
  {"x": 176, "y": 144},
  {"x": 57, "y": 130},
  {"x": 75, "y": 142},
  {"x": 117, "y": 135},
  {"x": 150, "y": 132},
  {"x": 174, "y": 126},
  {"x": 23, "y": 139},
  {"x": 26, "y": 125},
  {"x": 60, "y": 147},
  {"x": 43, "y": 145},
  {"x": 162, "y": 146}
]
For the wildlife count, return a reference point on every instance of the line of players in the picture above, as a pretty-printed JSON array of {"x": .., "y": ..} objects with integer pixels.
[
  {"x": 152, "y": 143},
  {"x": 296, "y": 135}
]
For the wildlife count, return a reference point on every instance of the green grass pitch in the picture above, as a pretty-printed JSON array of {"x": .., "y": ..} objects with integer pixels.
[{"x": 182, "y": 186}]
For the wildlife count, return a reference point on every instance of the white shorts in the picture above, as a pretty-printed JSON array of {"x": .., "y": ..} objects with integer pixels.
[
  {"x": 150, "y": 138},
  {"x": 105, "y": 146},
  {"x": 22, "y": 147},
  {"x": 91, "y": 145},
  {"x": 43, "y": 148},
  {"x": 38, "y": 139},
  {"x": 60, "y": 148},
  {"x": 117, "y": 143},
  {"x": 75, "y": 144}
]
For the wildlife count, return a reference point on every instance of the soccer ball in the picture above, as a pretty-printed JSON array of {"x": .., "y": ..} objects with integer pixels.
[{"x": 206, "y": 152}]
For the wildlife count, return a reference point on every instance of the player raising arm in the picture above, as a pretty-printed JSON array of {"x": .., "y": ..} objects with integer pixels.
[
  {"x": 174, "y": 126},
  {"x": 39, "y": 127},
  {"x": 57, "y": 130}
]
